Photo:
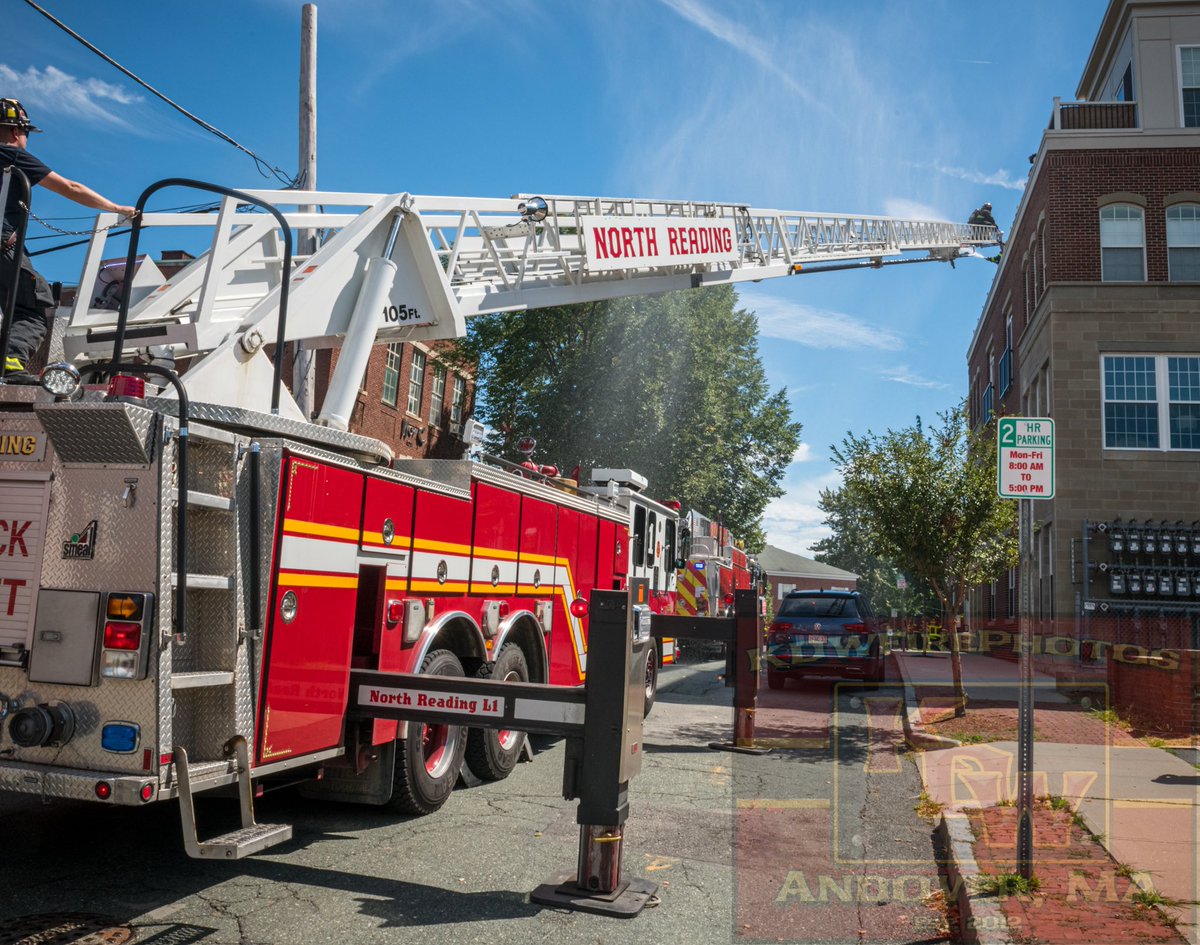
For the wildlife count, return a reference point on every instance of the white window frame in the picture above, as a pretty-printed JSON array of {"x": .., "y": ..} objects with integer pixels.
[
  {"x": 458, "y": 402},
  {"x": 416, "y": 381},
  {"x": 1100, "y": 219},
  {"x": 1179, "y": 79},
  {"x": 391, "y": 370},
  {"x": 1162, "y": 401},
  {"x": 437, "y": 397},
  {"x": 1170, "y": 245}
]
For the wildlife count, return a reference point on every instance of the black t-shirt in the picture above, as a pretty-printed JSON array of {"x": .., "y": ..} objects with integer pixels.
[{"x": 34, "y": 169}]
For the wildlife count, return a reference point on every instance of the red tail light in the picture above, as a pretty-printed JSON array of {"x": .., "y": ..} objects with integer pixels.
[
  {"x": 855, "y": 628},
  {"x": 729, "y": 598},
  {"x": 122, "y": 636},
  {"x": 780, "y": 632}
]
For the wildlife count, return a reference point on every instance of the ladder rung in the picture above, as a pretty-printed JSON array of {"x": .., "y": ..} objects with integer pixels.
[
  {"x": 205, "y": 582},
  {"x": 207, "y": 500},
  {"x": 200, "y": 680}
]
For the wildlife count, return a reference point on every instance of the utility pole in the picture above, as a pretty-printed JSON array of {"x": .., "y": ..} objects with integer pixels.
[{"x": 304, "y": 368}]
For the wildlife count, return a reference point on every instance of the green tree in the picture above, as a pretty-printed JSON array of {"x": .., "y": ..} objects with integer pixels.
[
  {"x": 927, "y": 500},
  {"x": 670, "y": 385},
  {"x": 849, "y": 547}
]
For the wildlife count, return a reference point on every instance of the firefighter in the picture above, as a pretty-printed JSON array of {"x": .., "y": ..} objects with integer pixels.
[
  {"x": 982, "y": 216},
  {"x": 28, "y": 326}
]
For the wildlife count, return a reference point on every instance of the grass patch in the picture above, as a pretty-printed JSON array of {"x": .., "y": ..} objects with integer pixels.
[
  {"x": 1008, "y": 884},
  {"x": 928, "y": 808},
  {"x": 1152, "y": 897},
  {"x": 1155, "y": 742},
  {"x": 1125, "y": 870},
  {"x": 1059, "y": 803}
]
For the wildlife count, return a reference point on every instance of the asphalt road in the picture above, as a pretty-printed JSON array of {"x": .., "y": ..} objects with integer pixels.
[{"x": 816, "y": 841}]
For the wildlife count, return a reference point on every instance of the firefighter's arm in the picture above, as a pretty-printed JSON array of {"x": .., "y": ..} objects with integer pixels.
[{"x": 82, "y": 194}]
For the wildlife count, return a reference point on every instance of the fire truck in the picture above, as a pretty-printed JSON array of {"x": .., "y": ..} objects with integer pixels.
[{"x": 190, "y": 567}]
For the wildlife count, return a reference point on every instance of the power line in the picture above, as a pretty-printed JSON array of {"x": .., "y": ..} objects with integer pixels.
[{"x": 265, "y": 167}]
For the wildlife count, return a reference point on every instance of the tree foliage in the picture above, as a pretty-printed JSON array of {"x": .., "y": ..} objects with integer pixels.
[
  {"x": 849, "y": 546},
  {"x": 927, "y": 500},
  {"x": 671, "y": 386}
]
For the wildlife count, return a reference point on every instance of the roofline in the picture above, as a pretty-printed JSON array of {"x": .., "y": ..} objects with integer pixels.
[{"x": 850, "y": 576}]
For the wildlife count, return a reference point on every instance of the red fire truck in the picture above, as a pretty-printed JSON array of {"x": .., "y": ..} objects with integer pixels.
[{"x": 191, "y": 567}]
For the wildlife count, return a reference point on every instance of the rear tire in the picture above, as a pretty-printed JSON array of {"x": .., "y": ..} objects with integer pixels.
[
  {"x": 651, "y": 677},
  {"x": 429, "y": 758},
  {"x": 491, "y": 753},
  {"x": 775, "y": 679}
]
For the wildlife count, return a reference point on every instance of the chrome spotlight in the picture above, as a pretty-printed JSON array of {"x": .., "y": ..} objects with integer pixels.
[
  {"x": 60, "y": 379},
  {"x": 534, "y": 209}
]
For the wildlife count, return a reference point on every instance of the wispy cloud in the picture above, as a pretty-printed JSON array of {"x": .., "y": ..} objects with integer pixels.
[
  {"x": 912, "y": 210},
  {"x": 817, "y": 328},
  {"x": 52, "y": 91},
  {"x": 737, "y": 36},
  {"x": 903, "y": 374},
  {"x": 795, "y": 521},
  {"x": 999, "y": 178}
]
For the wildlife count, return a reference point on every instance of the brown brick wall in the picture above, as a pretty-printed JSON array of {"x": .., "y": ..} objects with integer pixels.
[{"x": 1161, "y": 699}]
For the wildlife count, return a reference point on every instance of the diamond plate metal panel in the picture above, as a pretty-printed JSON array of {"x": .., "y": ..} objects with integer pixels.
[
  {"x": 253, "y": 422},
  {"x": 90, "y": 433}
]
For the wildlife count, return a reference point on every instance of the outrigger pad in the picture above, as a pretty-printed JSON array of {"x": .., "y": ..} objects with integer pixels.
[{"x": 626, "y": 901}]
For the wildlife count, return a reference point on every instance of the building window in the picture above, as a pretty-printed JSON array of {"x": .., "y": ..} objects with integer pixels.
[
  {"x": 1189, "y": 82},
  {"x": 391, "y": 374},
  {"x": 416, "y": 381},
  {"x": 1183, "y": 242},
  {"x": 458, "y": 401},
  {"x": 1124, "y": 90},
  {"x": 1122, "y": 244},
  {"x": 1006, "y": 357},
  {"x": 437, "y": 401},
  {"x": 1134, "y": 410}
]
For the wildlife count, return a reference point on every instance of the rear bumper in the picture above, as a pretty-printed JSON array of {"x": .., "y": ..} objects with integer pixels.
[
  {"x": 854, "y": 667},
  {"x": 75, "y": 784}
]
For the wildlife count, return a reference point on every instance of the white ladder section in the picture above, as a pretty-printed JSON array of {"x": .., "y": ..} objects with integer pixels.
[{"x": 403, "y": 267}]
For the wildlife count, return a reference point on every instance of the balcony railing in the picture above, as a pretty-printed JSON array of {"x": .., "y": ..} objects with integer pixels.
[
  {"x": 1005, "y": 371},
  {"x": 1088, "y": 116}
]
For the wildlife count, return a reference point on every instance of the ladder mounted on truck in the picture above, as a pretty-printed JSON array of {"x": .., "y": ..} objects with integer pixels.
[{"x": 399, "y": 267}]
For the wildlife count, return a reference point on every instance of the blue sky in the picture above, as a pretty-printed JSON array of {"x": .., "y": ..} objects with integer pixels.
[{"x": 898, "y": 108}]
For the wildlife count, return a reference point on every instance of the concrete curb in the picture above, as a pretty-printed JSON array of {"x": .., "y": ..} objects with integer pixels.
[
  {"x": 981, "y": 919},
  {"x": 914, "y": 729}
]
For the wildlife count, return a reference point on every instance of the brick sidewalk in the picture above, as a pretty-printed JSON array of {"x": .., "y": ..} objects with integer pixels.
[
  {"x": 1083, "y": 895},
  {"x": 1067, "y": 724}
]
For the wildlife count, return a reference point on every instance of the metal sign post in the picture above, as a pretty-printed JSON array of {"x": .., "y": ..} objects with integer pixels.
[
  {"x": 1025, "y": 471},
  {"x": 603, "y": 725}
]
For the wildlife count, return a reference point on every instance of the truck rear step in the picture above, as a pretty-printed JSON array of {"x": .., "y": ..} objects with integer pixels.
[{"x": 250, "y": 838}]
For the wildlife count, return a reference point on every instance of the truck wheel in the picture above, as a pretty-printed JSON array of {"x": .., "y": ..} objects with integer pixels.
[
  {"x": 651, "y": 677},
  {"x": 428, "y": 759},
  {"x": 492, "y": 753}
]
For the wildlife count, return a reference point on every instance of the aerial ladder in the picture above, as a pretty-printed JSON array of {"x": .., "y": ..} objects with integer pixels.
[{"x": 403, "y": 267}]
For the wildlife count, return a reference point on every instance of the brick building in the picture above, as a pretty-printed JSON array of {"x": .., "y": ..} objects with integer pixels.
[{"x": 1093, "y": 319}]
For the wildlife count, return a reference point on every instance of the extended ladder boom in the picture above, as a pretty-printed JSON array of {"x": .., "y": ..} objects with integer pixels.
[{"x": 403, "y": 267}]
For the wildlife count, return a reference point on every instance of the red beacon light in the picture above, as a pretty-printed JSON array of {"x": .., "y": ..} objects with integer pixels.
[
  {"x": 674, "y": 505},
  {"x": 579, "y": 607},
  {"x": 123, "y": 385}
]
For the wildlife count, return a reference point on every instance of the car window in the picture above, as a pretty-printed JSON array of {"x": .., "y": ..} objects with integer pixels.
[{"x": 818, "y": 607}]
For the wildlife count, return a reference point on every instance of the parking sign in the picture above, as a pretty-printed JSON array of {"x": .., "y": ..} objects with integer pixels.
[{"x": 1025, "y": 457}]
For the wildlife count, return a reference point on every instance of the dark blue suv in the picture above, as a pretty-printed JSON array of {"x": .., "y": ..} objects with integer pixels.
[{"x": 824, "y": 633}]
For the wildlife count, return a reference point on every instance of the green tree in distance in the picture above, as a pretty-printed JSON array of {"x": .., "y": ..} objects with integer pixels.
[
  {"x": 671, "y": 385},
  {"x": 927, "y": 500},
  {"x": 849, "y": 547}
]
